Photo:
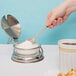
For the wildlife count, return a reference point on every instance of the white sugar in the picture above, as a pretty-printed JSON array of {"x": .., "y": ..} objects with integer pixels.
[{"x": 27, "y": 45}]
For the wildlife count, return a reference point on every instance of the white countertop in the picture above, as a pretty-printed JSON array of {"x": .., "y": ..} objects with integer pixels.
[{"x": 11, "y": 68}]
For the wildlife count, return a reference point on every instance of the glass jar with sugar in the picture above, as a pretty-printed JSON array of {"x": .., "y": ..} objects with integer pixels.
[{"x": 27, "y": 52}]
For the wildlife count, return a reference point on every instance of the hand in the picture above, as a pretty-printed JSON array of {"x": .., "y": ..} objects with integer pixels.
[{"x": 60, "y": 14}]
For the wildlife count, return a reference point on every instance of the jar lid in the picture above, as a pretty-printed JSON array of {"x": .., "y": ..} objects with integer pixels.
[
  {"x": 67, "y": 43},
  {"x": 11, "y": 26}
]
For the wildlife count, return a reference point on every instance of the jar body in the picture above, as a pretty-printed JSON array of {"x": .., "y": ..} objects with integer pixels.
[
  {"x": 67, "y": 55},
  {"x": 22, "y": 48},
  {"x": 27, "y": 56},
  {"x": 27, "y": 51}
]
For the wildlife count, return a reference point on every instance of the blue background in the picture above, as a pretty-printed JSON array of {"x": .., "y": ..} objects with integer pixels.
[{"x": 32, "y": 17}]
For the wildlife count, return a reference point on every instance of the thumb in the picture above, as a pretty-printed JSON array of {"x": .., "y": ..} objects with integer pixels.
[{"x": 52, "y": 18}]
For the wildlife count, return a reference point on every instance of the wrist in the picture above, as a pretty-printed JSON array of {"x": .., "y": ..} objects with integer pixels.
[{"x": 70, "y": 5}]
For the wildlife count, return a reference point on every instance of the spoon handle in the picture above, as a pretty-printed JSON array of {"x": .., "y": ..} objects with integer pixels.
[{"x": 40, "y": 32}]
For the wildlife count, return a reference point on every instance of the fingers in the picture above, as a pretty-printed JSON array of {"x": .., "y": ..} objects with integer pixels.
[
  {"x": 59, "y": 21},
  {"x": 50, "y": 21},
  {"x": 51, "y": 26},
  {"x": 53, "y": 22}
]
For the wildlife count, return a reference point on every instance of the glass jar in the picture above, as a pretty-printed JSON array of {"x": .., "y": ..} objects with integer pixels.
[
  {"x": 27, "y": 51},
  {"x": 67, "y": 54},
  {"x": 27, "y": 55}
]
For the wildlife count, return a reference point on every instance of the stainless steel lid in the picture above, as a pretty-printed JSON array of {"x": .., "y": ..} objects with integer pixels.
[{"x": 11, "y": 26}]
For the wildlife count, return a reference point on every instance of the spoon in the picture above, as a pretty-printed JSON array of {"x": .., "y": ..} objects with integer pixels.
[{"x": 38, "y": 34}]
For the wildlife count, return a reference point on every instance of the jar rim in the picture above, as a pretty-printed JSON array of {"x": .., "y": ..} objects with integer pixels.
[
  {"x": 27, "y": 49},
  {"x": 67, "y": 43}
]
